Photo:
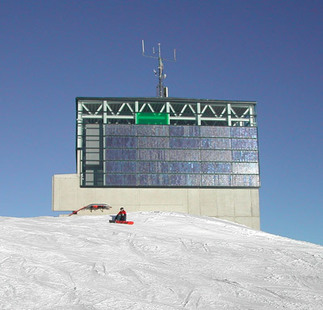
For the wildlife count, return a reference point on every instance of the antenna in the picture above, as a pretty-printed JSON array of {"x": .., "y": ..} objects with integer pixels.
[{"x": 161, "y": 90}]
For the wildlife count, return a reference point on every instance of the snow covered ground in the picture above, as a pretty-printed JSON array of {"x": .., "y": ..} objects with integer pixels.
[{"x": 164, "y": 261}]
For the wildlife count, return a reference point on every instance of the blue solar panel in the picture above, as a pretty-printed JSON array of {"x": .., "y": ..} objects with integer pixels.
[
  {"x": 121, "y": 166},
  {"x": 121, "y": 154},
  {"x": 151, "y": 130},
  {"x": 244, "y": 132},
  {"x": 153, "y": 142},
  {"x": 216, "y": 132},
  {"x": 121, "y": 142},
  {"x": 184, "y": 143},
  {"x": 245, "y": 180},
  {"x": 245, "y": 168},
  {"x": 245, "y": 156},
  {"x": 120, "y": 130},
  {"x": 183, "y": 155},
  {"x": 184, "y": 131},
  {"x": 215, "y": 143},
  {"x": 184, "y": 167},
  {"x": 216, "y": 168},
  {"x": 153, "y": 154},
  {"x": 245, "y": 144},
  {"x": 215, "y": 155}
]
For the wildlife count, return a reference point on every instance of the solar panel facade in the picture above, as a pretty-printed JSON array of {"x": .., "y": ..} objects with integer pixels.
[{"x": 172, "y": 156}]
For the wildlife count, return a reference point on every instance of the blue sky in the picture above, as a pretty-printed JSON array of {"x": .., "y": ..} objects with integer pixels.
[{"x": 267, "y": 51}]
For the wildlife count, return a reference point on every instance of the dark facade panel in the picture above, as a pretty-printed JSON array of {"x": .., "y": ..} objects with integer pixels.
[{"x": 173, "y": 156}]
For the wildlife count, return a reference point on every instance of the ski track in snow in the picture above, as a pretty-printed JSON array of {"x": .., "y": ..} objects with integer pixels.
[{"x": 164, "y": 261}]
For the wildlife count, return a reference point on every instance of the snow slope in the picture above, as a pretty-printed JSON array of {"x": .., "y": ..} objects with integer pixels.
[{"x": 163, "y": 261}]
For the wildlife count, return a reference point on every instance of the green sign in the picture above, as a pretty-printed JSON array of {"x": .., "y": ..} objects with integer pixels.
[{"x": 150, "y": 118}]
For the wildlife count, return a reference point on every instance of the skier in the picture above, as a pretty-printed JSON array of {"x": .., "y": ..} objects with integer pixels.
[{"x": 122, "y": 215}]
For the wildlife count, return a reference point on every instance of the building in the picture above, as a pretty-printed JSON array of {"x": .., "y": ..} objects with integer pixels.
[{"x": 194, "y": 156}]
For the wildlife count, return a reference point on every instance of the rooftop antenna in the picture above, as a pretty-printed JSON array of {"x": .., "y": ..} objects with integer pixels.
[{"x": 161, "y": 90}]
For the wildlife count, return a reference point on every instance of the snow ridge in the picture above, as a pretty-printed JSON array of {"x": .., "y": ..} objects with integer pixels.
[{"x": 164, "y": 261}]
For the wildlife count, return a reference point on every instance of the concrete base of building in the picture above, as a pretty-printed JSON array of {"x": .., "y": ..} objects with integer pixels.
[{"x": 239, "y": 205}]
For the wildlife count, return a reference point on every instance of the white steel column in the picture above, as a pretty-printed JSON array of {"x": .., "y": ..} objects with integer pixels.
[
  {"x": 252, "y": 115},
  {"x": 229, "y": 114},
  {"x": 168, "y": 110},
  {"x": 105, "y": 112},
  {"x": 198, "y": 113}
]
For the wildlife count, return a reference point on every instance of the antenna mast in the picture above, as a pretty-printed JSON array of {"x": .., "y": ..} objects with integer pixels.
[{"x": 162, "y": 91}]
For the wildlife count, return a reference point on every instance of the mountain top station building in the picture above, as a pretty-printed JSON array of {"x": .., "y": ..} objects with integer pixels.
[{"x": 193, "y": 156}]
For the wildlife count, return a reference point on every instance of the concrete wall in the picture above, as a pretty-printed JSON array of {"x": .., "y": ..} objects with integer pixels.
[{"x": 233, "y": 204}]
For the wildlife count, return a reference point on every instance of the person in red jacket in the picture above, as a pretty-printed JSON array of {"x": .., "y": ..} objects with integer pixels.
[{"x": 122, "y": 215}]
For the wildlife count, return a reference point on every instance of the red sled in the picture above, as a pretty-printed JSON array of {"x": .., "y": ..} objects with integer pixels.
[{"x": 125, "y": 222}]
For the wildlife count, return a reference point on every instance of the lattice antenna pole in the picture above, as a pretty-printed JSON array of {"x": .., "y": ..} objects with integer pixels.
[{"x": 162, "y": 91}]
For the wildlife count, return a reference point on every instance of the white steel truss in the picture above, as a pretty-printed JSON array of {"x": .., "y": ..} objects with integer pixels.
[{"x": 225, "y": 113}]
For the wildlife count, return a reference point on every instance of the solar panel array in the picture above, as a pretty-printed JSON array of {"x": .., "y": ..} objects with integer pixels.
[{"x": 180, "y": 156}]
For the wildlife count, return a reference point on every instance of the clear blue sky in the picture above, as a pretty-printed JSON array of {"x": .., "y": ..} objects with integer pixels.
[{"x": 268, "y": 51}]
